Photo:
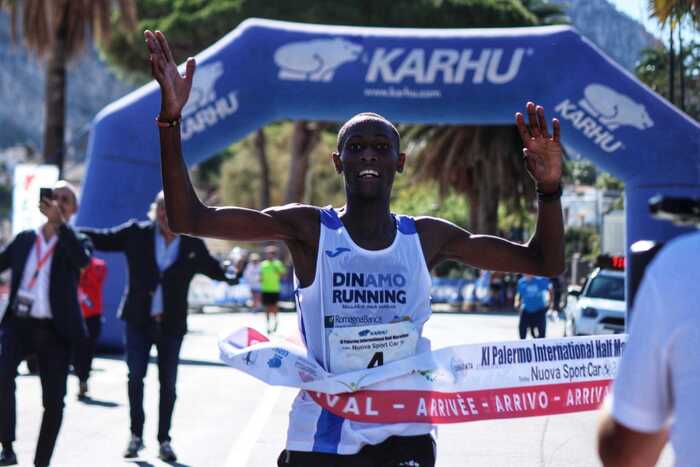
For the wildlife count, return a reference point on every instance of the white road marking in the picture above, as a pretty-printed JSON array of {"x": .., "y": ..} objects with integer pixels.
[{"x": 245, "y": 444}]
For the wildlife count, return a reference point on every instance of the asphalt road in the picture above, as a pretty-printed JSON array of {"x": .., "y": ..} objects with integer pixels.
[{"x": 224, "y": 418}]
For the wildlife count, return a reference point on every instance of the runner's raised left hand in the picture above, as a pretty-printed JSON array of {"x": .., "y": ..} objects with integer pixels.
[
  {"x": 542, "y": 152},
  {"x": 175, "y": 89}
]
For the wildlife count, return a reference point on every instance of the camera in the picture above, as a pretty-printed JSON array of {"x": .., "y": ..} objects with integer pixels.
[
  {"x": 680, "y": 211},
  {"x": 683, "y": 212},
  {"x": 45, "y": 193}
]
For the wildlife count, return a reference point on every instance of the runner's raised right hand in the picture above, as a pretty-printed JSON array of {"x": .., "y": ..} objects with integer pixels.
[{"x": 174, "y": 88}]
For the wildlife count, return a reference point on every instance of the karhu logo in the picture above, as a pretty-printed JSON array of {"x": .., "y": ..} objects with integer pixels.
[
  {"x": 203, "y": 87},
  {"x": 314, "y": 60},
  {"x": 614, "y": 109},
  {"x": 204, "y": 109},
  {"x": 338, "y": 251},
  {"x": 602, "y": 111}
]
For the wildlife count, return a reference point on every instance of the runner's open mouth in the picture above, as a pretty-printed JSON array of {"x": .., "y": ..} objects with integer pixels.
[{"x": 368, "y": 174}]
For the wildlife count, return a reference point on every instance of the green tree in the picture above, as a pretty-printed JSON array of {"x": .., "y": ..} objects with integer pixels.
[
  {"x": 673, "y": 14},
  {"x": 666, "y": 9},
  {"x": 583, "y": 240},
  {"x": 56, "y": 31},
  {"x": 653, "y": 66},
  {"x": 482, "y": 162},
  {"x": 581, "y": 172}
]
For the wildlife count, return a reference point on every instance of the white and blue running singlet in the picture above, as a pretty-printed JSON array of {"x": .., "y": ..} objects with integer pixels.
[{"x": 364, "y": 308}]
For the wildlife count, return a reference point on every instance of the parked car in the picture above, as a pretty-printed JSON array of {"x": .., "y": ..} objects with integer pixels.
[{"x": 599, "y": 307}]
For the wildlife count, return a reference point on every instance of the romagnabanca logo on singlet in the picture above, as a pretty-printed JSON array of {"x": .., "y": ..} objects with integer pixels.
[
  {"x": 204, "y": 108},
  {"x": 600, "y": 112},
  {"x": 344, "y": 321},
  {"x": 319, "y": 59}
]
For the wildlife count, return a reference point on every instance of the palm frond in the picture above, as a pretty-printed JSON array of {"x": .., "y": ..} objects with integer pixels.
[{"x": 73, "y": 20}]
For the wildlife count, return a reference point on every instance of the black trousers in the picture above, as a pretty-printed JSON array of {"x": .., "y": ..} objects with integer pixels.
[
  {"x": 533, "y": 320},
  {"x": 395, "y": 451},
  {"x": 139, "y": 341},
  {"x": 18, "y": 337},
  {"x": 84, "y": 351}
]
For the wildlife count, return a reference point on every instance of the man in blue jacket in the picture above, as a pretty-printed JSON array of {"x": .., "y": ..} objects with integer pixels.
[{"x": 43, "y": 316}]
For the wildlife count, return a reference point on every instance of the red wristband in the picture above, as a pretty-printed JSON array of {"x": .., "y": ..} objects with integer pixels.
[{"x": 168, "y": 123}]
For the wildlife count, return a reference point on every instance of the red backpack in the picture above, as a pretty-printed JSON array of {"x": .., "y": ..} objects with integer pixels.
[{"x": 90, "y": 287}]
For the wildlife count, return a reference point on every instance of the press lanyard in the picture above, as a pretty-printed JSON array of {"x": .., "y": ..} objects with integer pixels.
[{"x": 41, "y": 260}]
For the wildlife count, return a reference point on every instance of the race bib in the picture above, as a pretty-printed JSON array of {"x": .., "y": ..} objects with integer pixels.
[{"x": 360, "y": 347}]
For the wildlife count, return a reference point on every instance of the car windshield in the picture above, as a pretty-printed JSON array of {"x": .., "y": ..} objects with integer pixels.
[{"x": 611, "y": 288}]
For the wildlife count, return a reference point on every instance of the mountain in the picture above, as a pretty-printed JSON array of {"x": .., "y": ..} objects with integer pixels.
[
  {"x": 91, "y": 86},
  {"x": 619, "y": 36}
]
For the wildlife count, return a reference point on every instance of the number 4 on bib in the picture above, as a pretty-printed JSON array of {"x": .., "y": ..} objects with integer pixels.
[{"x": 377, "y": 360}]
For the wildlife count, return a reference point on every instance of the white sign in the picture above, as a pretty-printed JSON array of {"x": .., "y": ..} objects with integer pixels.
[{"x": 28, "y": 179}]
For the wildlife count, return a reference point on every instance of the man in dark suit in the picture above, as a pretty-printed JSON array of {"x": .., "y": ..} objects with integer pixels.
[
  {"x": 43, "y": 316},
  {"x": 161, "y": 265}
]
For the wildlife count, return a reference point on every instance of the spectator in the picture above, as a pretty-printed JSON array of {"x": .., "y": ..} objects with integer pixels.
[
  {"x": 655, "y": 392},
  {"x": 251, "y": 274},
  {"x": 271, "y": 272},
  {"x": 161, "y": 265},
  {"x": 43, "y": 316},
  {"x": 532, "y": 300},
  {"x": 90, "y": 298}
]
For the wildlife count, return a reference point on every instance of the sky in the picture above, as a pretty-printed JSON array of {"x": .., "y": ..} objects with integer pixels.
[{"x": 638, "y": 10}]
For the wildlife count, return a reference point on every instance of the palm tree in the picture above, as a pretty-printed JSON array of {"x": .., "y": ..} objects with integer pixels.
[
  {"x": 672, "y": 13},
  {"x": 483, "y": 162},
  {"x": 665, "y": 10},
  {"x": 653, "y": 66},
  {"x": 305, "y": 137},
  {"x": 56, "y": 31}
]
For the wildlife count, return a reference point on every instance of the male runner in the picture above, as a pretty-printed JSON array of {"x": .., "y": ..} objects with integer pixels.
[{"x": 359, "y": 265}]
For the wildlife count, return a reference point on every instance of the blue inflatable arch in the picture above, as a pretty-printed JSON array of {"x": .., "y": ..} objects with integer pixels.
[{"x": 265, "y": 71}]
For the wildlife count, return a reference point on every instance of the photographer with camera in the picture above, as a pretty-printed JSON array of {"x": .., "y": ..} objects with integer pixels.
[
  {"x": 43, "y": 315},
  {"x": 655, "y": 392}
]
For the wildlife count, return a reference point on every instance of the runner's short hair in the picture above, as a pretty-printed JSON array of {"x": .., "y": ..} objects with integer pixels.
[{"x": 361, "y": 118}]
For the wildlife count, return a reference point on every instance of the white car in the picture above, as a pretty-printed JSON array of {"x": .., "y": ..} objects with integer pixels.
[{"x": 599, "y": 308}]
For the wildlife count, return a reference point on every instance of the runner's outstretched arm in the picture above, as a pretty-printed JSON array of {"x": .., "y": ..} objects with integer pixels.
[
  {"x": 186, "y": 213},
  {"x": 543, "y": 255}
]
